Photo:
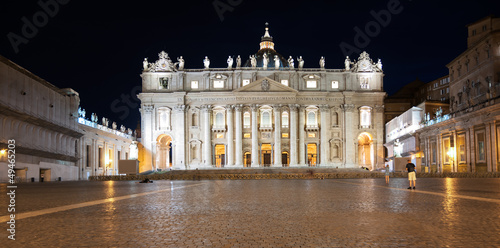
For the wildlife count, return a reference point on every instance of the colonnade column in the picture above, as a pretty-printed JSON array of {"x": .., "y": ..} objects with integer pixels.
[
  {"x": 255, "y": 138},
  {"x": 293, "y": 135},
  {"x": 207, "y": 137},
  {"x": 230, "y": 135},
  {"x": 147, "y": 135},
  {"x": 277, "y": 136},
  {"x": 180, "y": 136},
  {"x": 351, "y": 147},
  {"x": 325, "y": 151},
  {"x": 239, "y": 137},
  {"x": 302, "y": 122}
]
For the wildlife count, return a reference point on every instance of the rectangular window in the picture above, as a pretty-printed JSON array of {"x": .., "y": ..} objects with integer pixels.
[
  {"x": 164, "y": 83},
  {"x": 247, "y": 135},
  {"x": 311, "y": 84},
  {"x": 461, "y": 148},
  {"x": 194, "y": 84},
  {"x": 220, "y": 136},
  {"x": 284, "y": 82},
  {"x": 87, "y": 152},
  {"x": 284, "y": 135},
  {"x": 246, "y": 82},
  {"x": 311, "y": 135},
  {"x": 481, "y": 153},
  {"x": 218, "y": 84},
  {"x": 101, "y": 157},
  {"x": 335, "y": 84}
]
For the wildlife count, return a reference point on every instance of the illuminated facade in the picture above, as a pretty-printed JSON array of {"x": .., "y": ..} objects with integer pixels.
[
  {"x": 467, "y": 140},
  {"x": 269, "y": 111}
]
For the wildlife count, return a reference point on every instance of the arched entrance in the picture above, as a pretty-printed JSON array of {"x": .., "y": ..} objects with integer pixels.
[
  {"x": 365, "y": 150},
  {"x": 247, "y": 158},
  {"x": 163, "y": 152}
]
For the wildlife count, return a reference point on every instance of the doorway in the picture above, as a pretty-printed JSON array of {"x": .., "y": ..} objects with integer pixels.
[
  {"x": 220, "y": 156},
  {"x": 163, "y": 152},
  {"x": 247, "y": 159},
  {"x": 365, "y": 150},
  {"x": 44, "y": 175},
  {"x": 312, "y": 154},
  {"x": 284, "y": 159},
  {"x": 266, "y": 155}
]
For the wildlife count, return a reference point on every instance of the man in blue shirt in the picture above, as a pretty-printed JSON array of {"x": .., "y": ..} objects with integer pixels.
[{"x": 410, "y": 167}]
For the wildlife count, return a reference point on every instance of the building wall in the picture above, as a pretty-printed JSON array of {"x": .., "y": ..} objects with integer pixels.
[
  {"x": 41, "y": 119},
  {"x": 184, "y": 119},
  {"x": 113, "y": 145},
  {"x": 468, "y": 141}
]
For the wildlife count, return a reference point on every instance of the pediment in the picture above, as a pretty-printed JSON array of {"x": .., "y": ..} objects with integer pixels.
[{"x": 265, "y": 85}]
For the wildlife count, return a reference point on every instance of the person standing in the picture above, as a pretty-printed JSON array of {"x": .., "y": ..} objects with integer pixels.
[
  {"x": 412, "y": 177},
  {"x": 387, "y": 173}
]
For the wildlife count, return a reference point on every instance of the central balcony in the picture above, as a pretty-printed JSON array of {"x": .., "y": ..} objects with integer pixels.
[
  {"x": 311, "y": 128},
  {"x": 266, "y": 127},
  {"x": 218, "y": 129}
]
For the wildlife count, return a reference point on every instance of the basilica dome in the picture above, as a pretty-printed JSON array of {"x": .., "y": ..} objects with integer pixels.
[{"x": 267, "y": 50}]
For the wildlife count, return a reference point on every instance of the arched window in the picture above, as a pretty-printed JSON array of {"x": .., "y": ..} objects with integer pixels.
[
  {"x": 335, "y": 119},
  {"x": 284, "y": 120},
  {"x": 266, "y": 119},
  {"x": 246, "y": 119},
  {"x": 219, "y": 120},
  {"x": 365, "y": 116},
  {"x": 311, "y": 119}
]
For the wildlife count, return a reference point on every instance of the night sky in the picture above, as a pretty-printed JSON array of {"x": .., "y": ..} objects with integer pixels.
[{"x": 97, "y": 47}]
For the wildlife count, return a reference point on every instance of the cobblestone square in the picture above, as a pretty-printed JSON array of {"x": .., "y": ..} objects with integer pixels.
[{"x": 441, "y": 212}]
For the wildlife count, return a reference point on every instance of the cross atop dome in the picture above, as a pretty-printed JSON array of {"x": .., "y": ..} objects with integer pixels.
[{"x": 267, "y": 40}]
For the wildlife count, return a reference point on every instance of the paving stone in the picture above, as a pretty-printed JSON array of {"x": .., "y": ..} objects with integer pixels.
[{"x": 264, "y": 213}]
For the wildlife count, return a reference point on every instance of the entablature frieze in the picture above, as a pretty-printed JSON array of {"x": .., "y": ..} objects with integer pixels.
[{"x": 265, "y": 99}]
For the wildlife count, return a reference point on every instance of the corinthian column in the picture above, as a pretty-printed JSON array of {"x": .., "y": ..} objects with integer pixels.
[
  {"x": 277, "y": 135},
  {"x": 302, "y": 123},
  {"x": 293, "y": 135},
  {"x": 207, "y": 137},
  {"x": 255, "y": 139},
  {"x": 239, "y": 137},
  {"x": 325, "y": 146},
  {"x": 230, "y": 134},
  {"x": 180, "y": 134}
]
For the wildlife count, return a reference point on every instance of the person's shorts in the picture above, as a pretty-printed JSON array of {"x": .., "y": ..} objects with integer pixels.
[{"x": 412, "y": 176}]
